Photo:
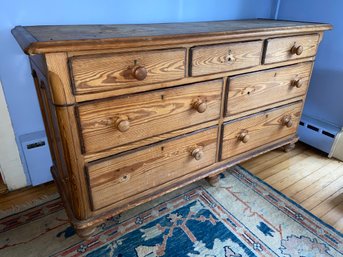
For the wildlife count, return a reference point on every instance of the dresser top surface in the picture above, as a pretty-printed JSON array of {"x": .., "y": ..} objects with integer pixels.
[{"x": 31, "y": 38}]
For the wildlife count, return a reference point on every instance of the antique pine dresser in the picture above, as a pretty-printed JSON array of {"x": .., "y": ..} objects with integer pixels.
[{"x": 133, "y": 112}]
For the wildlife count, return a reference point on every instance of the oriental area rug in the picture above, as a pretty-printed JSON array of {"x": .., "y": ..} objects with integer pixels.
[{"x": 241, "y": 216}]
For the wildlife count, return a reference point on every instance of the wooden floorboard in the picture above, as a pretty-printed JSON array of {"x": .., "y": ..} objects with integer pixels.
[
  {"x": 22, "y": 198},
  {"x": 306, "y": 176}
]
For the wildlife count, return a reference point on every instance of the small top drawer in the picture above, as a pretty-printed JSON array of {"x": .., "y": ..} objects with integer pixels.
[
  {"x": 225, "y": 57},
  {"x": 95, "y": 73},
  {"x": 289, "y": 48},
  {"x": 110, "y": 123}
]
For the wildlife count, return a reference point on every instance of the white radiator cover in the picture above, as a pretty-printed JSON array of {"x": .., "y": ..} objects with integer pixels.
[{"x": 317, "y": 133}]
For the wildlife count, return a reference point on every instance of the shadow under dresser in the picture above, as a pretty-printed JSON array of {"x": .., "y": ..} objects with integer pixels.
[{"x": 133, "y": 112}]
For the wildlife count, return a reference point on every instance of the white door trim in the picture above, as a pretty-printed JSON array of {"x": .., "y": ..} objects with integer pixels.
[{"x": 11, "y": 168}]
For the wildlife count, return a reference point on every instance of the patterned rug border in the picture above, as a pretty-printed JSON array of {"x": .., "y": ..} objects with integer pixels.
[
  {"x": 16, "y": 209},
  {"x": 7, "y": 223},
  {"x": 292, "y": 201}
]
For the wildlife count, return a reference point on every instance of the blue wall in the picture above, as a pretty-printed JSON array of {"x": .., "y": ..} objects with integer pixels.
[
  {"x": 14, "y": 65},
  {"x": 324, "y": 100}
]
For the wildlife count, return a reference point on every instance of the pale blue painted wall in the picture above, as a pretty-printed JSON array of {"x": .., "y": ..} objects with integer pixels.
[
  {"x": 324, "y": 99},
  {"x": 14, "y": 66}
]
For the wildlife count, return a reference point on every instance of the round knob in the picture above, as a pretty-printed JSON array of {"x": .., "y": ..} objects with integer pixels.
[
  {"x": 139, "y": 72},
  {"x": 298, "y": 50},
  {"x": 123, "y": 124},
  {"x": 200, "y": 106},
  {"x": 296, "y": 83},
  {"x": 244, "y": 137},
  {"x": 287, "y": 121},
  {"x": 197, "y": 153}
]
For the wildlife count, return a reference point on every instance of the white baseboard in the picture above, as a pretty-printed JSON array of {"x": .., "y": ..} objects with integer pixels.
[
  {"x": 337, "y": 147},
  {"x": 12, "y": 170}
]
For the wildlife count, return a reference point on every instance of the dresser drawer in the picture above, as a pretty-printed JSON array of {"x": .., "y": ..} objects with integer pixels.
[
  {"x": 125, "y": 178},
  {"x": 110, "y": 123},
  {"x": 126, "y": 70},
  {"x": 225, "y": 57},
  {"x": 258, "y": 89},
  {"x": 248, "y": 133},
  {"x": 290, "y": 48}
]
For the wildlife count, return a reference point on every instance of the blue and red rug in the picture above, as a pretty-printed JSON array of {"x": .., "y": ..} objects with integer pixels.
[{"x": 242, "y": 216}]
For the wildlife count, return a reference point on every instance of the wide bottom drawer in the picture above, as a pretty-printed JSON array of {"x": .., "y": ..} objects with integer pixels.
[
  {"x": 256, "y": 130},
  {"x": 127, "y": 177}
]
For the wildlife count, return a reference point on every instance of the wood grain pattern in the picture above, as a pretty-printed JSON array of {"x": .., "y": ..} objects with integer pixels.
[
  {"x": 67, "y": 137},
  {"x": 148, "y": 168},
  {"x": 225, "y": 57},
  {"x": 216, "y": 168},
  {"x": 113, "y": 71},
  {"x": 43, "y": 39},
  {"x": 59, "y": 79},
  {"x": 149, "y": 114},
  {"x": 262, "y": 128},
  {"x": 89, "y": 157},
  {"x": 186, "y": 80},
  {"x": 258, "y": 89},
  {"x": 279, "y": 49}
]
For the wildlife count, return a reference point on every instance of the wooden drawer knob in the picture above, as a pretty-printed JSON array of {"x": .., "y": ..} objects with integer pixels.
[
  {"x": 296, "y": 83},
  {"x": 123, "y": 124},
  {"x": 197, "y": 153},
  {"x": 244, "y": 137},
  {"x": 287, "y": 121},
  {"x": 200, "y": 106},
  {"x": 139, "y": 72},
  {"x": 298, "y": 50}
]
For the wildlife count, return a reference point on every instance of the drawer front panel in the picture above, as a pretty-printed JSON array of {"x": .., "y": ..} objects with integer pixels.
[
  {"x": 123, "y": 179},
  {"x": 259, "y": 129},
  {"x": 225, "y": 57},
  {"x": 108, "y": 124},
  {"x": 126, "y": 70},
  {"x": 258, "y": 89},
  {"x": 290, "y": 48}
]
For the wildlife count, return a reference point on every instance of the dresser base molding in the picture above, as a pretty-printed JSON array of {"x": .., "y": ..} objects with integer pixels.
[{"x": 86, "y": 228}]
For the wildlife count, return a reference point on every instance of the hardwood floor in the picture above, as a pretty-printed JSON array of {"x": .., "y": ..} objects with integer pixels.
[
  {"x": 305, "y": 175},
  {"x": 23, "y": 198},
  {"x": 308, "y": 177}
]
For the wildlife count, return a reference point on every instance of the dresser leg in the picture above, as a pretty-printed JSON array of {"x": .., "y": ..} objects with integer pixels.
[
  {"x": 213, "y": 180},
  {"x": 85, "y": 233},
  {"x": 289, "y": 147}
]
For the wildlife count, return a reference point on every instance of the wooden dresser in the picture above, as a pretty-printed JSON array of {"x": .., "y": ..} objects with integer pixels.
[{"x": 133, "y": 112}]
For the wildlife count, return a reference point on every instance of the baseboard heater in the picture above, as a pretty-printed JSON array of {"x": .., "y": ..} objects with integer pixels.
[{"x": 317, "y": 133}]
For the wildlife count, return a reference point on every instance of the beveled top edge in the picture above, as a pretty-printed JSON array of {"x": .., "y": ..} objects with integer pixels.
[{"x": 62, "y": 38}]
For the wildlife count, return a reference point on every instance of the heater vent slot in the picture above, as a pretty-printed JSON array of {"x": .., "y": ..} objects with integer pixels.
[
  {"x": 313, "y": 128},
  {"x": 328, "y": 134}
]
